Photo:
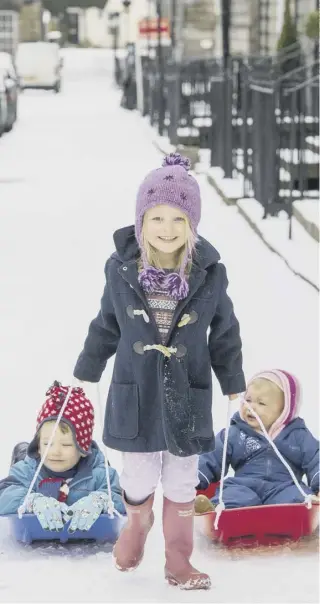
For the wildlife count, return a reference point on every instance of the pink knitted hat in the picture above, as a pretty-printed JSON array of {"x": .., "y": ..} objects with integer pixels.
[
  {"x": 292, "y": 399},
  {"x": 171, "y": 185}
]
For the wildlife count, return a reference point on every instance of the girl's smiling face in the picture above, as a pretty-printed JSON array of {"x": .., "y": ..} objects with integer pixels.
[
  {"x": 165, "y": 230},
  {"x": 267, "y": 400}
]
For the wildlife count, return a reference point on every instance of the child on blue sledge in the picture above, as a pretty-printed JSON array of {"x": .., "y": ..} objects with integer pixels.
[
  {"x": 260, "y": 477},
  {"x": 72, "y": 482}
]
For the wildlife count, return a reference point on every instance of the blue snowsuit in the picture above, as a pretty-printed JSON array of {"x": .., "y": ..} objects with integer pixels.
[
  {"x": 90, "y": 476},
  {"x": 260, "y": 476}
]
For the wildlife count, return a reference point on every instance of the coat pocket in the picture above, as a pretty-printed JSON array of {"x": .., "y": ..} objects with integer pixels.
[
  {"x": 123, "y": 410},
  {"x": 200, "y": 423}
]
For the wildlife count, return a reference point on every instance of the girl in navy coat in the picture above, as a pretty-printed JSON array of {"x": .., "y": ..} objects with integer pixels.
[
  {"x": 165, "y": 289},
  {"x": 260, "y": 477}
]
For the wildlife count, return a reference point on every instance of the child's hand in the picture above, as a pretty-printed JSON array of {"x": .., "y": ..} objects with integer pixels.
[
  {"x": 86, "y": 511},
  {"x": 48, "y": 510}
]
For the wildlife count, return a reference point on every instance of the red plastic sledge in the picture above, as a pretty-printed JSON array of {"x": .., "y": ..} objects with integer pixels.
[{"x": 259, "y": 525}]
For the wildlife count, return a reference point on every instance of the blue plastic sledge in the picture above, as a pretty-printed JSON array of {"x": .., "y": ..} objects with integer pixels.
[{"x": 28, "y": 529}]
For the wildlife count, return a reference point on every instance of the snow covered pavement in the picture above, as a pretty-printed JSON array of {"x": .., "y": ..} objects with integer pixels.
[{"x": 68, "y": 177}]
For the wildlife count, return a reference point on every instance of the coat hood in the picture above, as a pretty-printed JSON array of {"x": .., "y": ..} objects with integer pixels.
[{"x": 127, "y": 248}]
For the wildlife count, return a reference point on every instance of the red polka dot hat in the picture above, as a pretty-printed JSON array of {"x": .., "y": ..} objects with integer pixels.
[{"x": 78, "y": 414}]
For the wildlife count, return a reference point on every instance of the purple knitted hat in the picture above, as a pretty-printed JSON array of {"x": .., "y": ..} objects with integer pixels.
[{"x": 171, "y": 185}]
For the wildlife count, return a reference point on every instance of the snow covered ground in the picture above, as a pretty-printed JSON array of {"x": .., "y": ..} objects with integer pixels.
[{"x": 68, "y": 176}]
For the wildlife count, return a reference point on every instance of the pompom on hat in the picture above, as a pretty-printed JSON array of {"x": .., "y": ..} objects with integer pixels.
[
  {"x": 290, "y": 387},
  {"x": 78, "y": 415},
  {"x": 170, "y": 185}
]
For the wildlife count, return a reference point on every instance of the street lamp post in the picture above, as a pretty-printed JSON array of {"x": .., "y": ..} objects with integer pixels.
[
  {"x": 148, "y": 34},
  {"x": 225, "y": 14},
  {"x": 129, "y": 100},
  {"x": 147, "y": 85},
  {"x": 296, "y": 12},
  {"x": 173, "y": 24},
  {"x": 226, "y": 98},
  {"x": 126, "y": 7},
  {"x": 161, "y": 112},
  {"x": 174, "y": 69},
  {"x": 114, "y": 30}
]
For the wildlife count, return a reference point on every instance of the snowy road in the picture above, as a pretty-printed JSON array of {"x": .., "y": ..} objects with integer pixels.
[{"x": 68, "y": 176}]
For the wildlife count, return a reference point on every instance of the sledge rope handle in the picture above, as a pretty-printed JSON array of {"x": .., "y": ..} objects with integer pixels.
[
  {"x": 308, "y": 497},
  {"x": 111, "y": 511},
  {"x": 220, "y": 507},
  {"x": 22, "y": 508}
]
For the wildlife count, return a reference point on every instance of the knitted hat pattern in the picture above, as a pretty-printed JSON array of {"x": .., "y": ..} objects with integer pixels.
[
  {"x": 171, "y": 185},
  {"x": 78, "y": 415}
]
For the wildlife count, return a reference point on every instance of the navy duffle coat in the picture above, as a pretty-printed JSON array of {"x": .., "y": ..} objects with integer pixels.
[{"x": 157, "y": 403}]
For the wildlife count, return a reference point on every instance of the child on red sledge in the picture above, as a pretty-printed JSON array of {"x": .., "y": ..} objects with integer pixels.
[
  {"x": 260, "y": 477},
  {"x": 72, "y": 482}
]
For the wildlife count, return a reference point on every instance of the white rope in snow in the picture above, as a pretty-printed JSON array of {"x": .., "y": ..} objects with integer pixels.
[
  {"x": 220, "y": 507},
  {"x": 22, "y": 508},
  {"x": 308, "y": 497}
]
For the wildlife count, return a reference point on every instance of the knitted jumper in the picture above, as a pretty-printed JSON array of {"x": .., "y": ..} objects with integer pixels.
[{"x": 162, "y": 306}]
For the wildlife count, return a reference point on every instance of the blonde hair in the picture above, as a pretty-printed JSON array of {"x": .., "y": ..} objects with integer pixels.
[
  {"x": 261, "y": 382},
  {"x": 188, "y": 249},
  {"x": 63, "y": 427}
]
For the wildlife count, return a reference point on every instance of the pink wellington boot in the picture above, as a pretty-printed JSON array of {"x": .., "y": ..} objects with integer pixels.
[
  {"x": 129, "y": 549},
  {"x": 178, "y": 536}
]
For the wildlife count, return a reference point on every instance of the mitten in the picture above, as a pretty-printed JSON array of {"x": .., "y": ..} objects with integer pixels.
[
  {"x": 49, "y": 511},
  {"x": 87, "y": 510}
]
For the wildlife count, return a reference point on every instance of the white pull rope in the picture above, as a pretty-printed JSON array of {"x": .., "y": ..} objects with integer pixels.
[
  {"x": 22, "y": 508},
  {"x": 308, "y": 498},
  {"x": 111, "y": 511},
  {"x": 220, "y": 507}
]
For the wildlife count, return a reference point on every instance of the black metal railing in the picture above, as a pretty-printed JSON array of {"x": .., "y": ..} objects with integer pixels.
[
  {"x": 279, "y": 152},
  {"x": 259, "y": 121}
]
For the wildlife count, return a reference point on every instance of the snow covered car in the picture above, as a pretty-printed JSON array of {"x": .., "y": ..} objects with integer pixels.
[
  {"x": 39, "y": 65},
  {"x": 10, "y": 78}
]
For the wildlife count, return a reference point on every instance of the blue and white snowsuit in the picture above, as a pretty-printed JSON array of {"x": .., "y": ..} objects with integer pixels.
[{"x": 260, "y": 476}]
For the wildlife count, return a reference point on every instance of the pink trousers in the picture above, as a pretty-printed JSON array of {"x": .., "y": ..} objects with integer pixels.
[{"x": 141, "y": 473}]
